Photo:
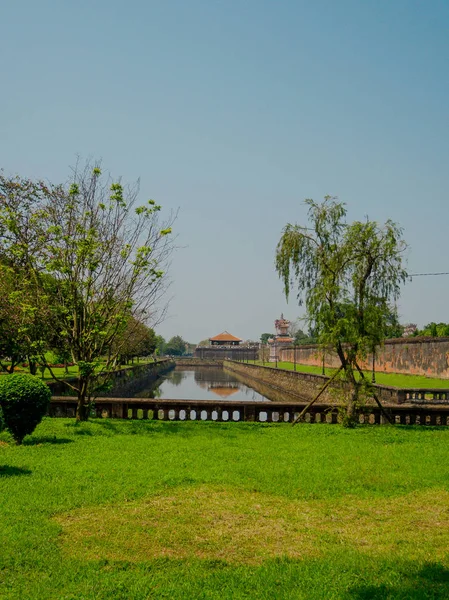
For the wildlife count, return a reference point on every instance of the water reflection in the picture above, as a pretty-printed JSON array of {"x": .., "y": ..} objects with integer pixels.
[{"x": 205, "y": 383}]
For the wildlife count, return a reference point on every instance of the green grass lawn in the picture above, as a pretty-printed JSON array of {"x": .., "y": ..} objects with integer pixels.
[
  {"x": 392, "y": 379},
  {"x": 61, "y": 373},
  {"x": 135, "y": 510}
]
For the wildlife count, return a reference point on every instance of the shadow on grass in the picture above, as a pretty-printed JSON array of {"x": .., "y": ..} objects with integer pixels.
[
  {"x": 431, "y": 581},
  {"x": 406, "y": 428},
  {"x": 148, "y": 427},
  {"x": 8, "y": 471},
  {"x": 37, "y": 441}
]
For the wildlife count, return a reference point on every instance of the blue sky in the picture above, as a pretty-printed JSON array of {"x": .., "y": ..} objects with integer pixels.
[{"x": 235, "y": 112}]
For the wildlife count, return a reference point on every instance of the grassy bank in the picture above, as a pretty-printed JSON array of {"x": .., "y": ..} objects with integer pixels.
[
  {"x": 72, "y": 371},
  {"x": 391, "y": 379},
  {"x": 137, "y": 510}
]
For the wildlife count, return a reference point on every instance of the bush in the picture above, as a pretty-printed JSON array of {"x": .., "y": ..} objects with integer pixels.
[{"x": 24, "y": 400}]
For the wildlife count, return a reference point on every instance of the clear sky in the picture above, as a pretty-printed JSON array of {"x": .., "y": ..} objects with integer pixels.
[{"x": 235, "y": 111}]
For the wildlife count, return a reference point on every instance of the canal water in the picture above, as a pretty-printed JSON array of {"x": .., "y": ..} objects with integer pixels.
[{"x": 202, "y": 383}]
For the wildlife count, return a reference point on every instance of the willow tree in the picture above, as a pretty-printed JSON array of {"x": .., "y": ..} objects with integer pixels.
[
  {"x": 348, "y": 277},
  {"x": 102, "y": 259}
]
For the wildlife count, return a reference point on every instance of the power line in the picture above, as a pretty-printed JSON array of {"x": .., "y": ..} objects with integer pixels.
[{"x": 426, "y": 274}]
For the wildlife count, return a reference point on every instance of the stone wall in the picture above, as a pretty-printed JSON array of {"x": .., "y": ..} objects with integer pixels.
[
  {"x": 123, "y": 379},
  {"x": 187, "y": 362},
  {"x": 305, "y": 386},
  {"x": 226, "y": 352},
  {"x": 227, "y": 411},
  {"x": 411, "y": 356}
]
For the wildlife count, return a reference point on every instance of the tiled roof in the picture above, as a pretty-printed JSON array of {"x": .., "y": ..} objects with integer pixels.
[
  {"x": 224, "y": 392},
  {"x": 225, "y": 337}
]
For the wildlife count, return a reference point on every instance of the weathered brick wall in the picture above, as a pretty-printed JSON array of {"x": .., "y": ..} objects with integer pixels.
[
  {"x": 226, "y": 353},
  {"x": 304, "y": 386},
  {"x": 121, "y": 377},
  {"x": 197, "y": 362},
  {"x": 416, "y": 356}
]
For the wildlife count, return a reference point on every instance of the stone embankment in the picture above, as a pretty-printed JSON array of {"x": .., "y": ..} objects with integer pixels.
[
  {"x": 186, "y": 362},
  {"x": 411, "y": 356},
  {"x": 122, "y": 379},
  {"x": 305, "y": 386}
]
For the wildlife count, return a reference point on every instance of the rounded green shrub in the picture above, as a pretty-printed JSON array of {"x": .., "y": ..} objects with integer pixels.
[{"x": 24, "y": 400}]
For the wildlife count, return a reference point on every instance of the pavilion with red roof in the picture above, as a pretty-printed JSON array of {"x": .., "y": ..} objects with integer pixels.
[
  {"x": 225, "y": 339},
  {"x": 227, "y": 346}
]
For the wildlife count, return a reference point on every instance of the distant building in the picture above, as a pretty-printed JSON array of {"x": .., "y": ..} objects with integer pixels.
[
  {"x": 225, "y": 339},
  {"x": 282, "y": 338},
  {"x": 409, "y": 330},
  {"x": 227, "y": 346}
]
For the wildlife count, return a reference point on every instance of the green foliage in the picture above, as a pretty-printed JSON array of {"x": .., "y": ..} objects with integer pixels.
[
  {"x": 175, "y": 346},
  {"x": 23, "y": 324},
  {"x": 435, "y": 330},
  {"x": 88, "y": 261},
  {"x": 136, "y": 340},
  {"x": 347, "y": 275},
  {"x": 265, "y": 337},
  {"x": 302, "y": 338},
  {"x": 24, "y": 401},
  {"x": 393, "y": 329}
]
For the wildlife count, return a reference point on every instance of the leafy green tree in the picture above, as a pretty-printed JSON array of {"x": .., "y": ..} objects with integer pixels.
[
  {"x": 24, "y": 400},
  {"x": 204, "y": 343},
  {"x": 443, "y": 330},
  {"x": 137, "y": 339},
  {"x": 301, "y": 338},
  {"x": 11, "y": 340},
  {"x": 265, "y": 337},
  {"x": 435, "y": 330},
  {"x": 347, "y": 275},
  {"x": 176, "y": 346},
  {"x": 23, "y": 325},
  {"x": 160, "y": 345},
  {"x": 393, "y": 329},
  {"x": 101, "y": 257}
]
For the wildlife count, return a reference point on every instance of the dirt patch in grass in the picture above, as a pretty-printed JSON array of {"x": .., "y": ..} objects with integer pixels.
[{"x": 243, "y": 527}]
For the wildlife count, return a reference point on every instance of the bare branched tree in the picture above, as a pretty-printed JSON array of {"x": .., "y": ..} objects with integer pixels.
[{"x": 102, "y": 259}]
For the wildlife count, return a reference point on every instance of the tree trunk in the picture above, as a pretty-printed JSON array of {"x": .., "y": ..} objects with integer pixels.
[
  {"x": 32, "y": 365},
  {"x": 350, "y": 419},
  {"x": 82, "y": 409},
  {"x": 386, "y": 415},
  {"x": 306, "y": 408},
  {"x": 351, "y": 408}
]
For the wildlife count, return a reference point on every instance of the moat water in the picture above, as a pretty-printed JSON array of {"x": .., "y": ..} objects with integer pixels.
[{"x": 202, "y": 383}]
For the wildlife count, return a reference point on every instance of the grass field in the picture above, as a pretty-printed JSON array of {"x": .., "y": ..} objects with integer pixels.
[
  {"x": 135, "y": 510},
  {"x": 392, "y": 379},
  {"x": 72, "y": 371}
]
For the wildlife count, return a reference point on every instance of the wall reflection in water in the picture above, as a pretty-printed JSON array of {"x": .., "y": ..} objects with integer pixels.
[{"x": 206, "y": 383}]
